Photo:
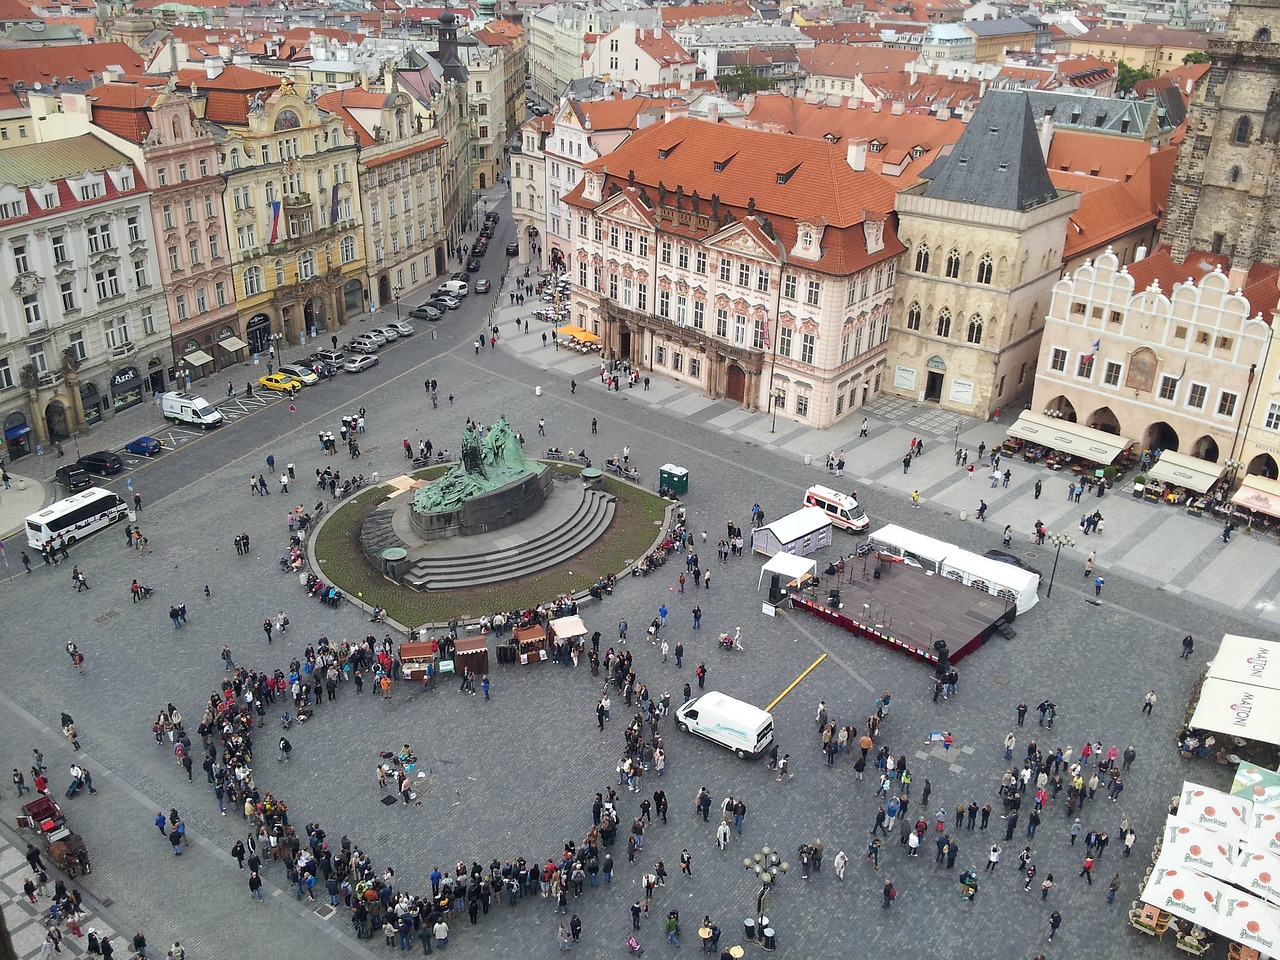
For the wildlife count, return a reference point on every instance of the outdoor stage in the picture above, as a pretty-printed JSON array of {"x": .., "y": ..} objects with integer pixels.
[{"x": 910, "y": 610}]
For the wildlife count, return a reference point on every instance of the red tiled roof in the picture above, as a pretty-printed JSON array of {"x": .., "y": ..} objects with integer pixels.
[
  {"x": 41, "y": 64},
  {"x": 121, "y": 108},
  {"x": 14, "y": 11},
  {"x": 227, "y": 95},
  {"x": 846, "y": 32},
  {"x": 406, "y": 152},
  {"x": 342, "y": 102},
  {"x": 663, "y": 48},
  {"x": 1153, "y": 180},
  {"x": 693, "y": 13},
  {"x": 1108, "y": 211},
  {"x": 616, "y": 113},
  {"x": 839, "y": 60},
  {"x": 1184, "y": 78},
  {"x": 1160, "y": 267},
  {"x": 1146, "y": 36},
  {"x": 740, "y": 166},
  {"x": 1116, "y": 158}
]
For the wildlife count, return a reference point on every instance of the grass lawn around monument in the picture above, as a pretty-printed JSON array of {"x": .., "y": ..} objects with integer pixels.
[{"x": 637, "y": 521}]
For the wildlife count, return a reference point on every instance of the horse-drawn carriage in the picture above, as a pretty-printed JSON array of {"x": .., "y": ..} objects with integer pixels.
[{"x": 66, "y": 849}]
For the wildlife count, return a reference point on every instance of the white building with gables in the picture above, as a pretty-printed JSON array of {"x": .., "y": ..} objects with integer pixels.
[{"x": 757, "y": 266}]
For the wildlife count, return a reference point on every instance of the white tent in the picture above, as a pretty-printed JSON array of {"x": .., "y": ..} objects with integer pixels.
[
  {"x": 1198, "y": 848},
  {"x": 1003, "y": 580},
  {"x": 566, "y": 627},
  {"x": 1073, "y": 438},
  {"x": 1207, "y": 807},
  {"x": 901, "y": 542},
  {"x": 1241, "y": 696},
  {"x": 1184, "y": 471},
  {"x": 1184, "y": 893},
  {"x": 790, "y": 569},
  {"x": 1250, "y": 921},
  {"x": 803, "y": 532},
  {"x": 1264, "y": 834},
  {"x": 1259, "y": 874}
]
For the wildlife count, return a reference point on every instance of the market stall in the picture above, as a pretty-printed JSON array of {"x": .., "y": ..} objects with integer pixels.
[
  {"x": 531, "y": 644},
  {"x": 417, "y": 657},
  {"x": 803, "y": 532},
  {"x": 472, "y": 653}
]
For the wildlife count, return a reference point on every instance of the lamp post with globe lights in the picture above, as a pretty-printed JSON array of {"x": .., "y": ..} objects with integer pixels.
[
  {"x": 1059, "y": 540},
  {"x": 768, "y": 867}
]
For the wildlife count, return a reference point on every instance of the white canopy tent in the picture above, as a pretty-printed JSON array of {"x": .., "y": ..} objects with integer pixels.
[
  {"x": 901, "y": 542},
  {"x": 1258, "y": 873},
  {"x": 1198, "y": 848},
  {"x": 789, "y": 568},
  {"x": 1214, "y": 810},
  {"x": 1002, "y": 580},
  {"x": 1072, "y": 438},
  {"x": 565, "y": 627},
  {"x": 803, "y": 532},
  {"x": 1241, "y": 695},
  {"x": 1260, "y": 494},
  {"x": 1184, "y": 471}
]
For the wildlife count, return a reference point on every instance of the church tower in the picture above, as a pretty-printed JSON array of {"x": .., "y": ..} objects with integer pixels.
[{"x": 1226, "y": 185}]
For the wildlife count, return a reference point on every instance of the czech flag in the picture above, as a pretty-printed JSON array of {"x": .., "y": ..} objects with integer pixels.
[
  {"x": 273, "y": 233},
  {"x": 1093, "y": 352}
]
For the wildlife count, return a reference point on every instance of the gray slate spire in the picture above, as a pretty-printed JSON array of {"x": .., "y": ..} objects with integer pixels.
[{"x": 997, "y": 161}]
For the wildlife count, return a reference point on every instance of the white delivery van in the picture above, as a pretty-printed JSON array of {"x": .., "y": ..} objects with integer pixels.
[
  {"x": 188, "y": 408},
  {"x": 742, "y": 728},
  {"x": 454, "y": 288},
  {"x": 841, "y": 508}
]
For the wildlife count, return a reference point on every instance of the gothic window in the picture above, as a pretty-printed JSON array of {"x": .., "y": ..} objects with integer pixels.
[
  {"x": 953, "y": 264},
  {"x": 1233, "y": 176},
  {"x": 913, "y": 317},
  {"x": 975, "y": 329},
  {"x": 1262, "y": 36},
  {"x": 1244, "y": 130},
  {"x": 944, "y": 323},
  {"x": 922, "y": 258},
  {"x": 985, "y": 268}
]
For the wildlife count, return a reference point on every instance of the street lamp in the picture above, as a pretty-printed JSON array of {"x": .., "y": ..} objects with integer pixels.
[
  {"x": 768, "y": 866},
  {"x": 396, "y": 291},
  {"x": 1233, "y": 467},
  {"x": 779, "y": 396},
  {"x": 1059, "y": 540}
]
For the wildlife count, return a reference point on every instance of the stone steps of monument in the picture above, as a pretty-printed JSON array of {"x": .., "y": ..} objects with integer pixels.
[{"x": 588, "y": 521}]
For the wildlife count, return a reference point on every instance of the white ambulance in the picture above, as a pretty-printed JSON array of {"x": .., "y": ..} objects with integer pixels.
[{"x": 840, "y": 507}]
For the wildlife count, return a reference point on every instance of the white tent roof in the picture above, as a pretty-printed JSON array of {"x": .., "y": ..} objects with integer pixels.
[
  {"x": 1184, "y": 893},
  {"x": 1198, "y": 848},
  {"x": 1259, "y": 873},
  {"x": 1184, "y": 471},
  {"x": 917, "y": 544},
  {"x": 1072, "y": 438},
  {"x": 1241, "y": 696},
  {"x": 789, "y": 567},
  {"x": 802, "y": 523},
  {"x": 568, "y": 627},
  {"x": 1214, "y": 810}
]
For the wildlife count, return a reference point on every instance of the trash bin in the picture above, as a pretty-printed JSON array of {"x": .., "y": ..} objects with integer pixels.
[
  {"x": 675, "y": 479},
  {"x": 537, "y": 391},
  {"x": 770, "y": 939},
  {"x": 749, "y": 929},
  {"x": 964, "y": 515},
  {"x": 808, "y": 459}
]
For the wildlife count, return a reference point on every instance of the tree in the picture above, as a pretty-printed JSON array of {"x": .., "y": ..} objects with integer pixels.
[
  {"x": 1127, "y": 76},
  {"x": 1198, "y": 57},
  {"x": 743, "y": 80}
]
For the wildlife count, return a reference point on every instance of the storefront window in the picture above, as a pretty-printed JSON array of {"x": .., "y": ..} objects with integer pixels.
[
  {"x": 91, "y": 400},
  {"x": 126, "y": 388}
]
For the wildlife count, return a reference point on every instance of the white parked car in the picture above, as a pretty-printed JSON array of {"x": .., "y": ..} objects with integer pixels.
[{"x": 357, "y": 364}]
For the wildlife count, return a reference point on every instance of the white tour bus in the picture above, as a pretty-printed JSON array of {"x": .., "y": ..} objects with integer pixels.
[{"x": 76, "y": 517}]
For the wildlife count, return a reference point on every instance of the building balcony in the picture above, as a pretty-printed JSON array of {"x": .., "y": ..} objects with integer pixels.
[
  {"x": 685, "y": 334},
  {"x": 124, "y": 351},
  {"x": 293, "y": 201}
]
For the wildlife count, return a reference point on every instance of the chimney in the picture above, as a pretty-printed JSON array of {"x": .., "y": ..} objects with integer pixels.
[
  {"x": 875, "y": 105},
  {"x": 897, "y": 108},
  {"x": 1140, "y": 253},
  {"x": 944, "y": 113},
  {"x": 911, "y": 71},
  {"x": 713, "y": 112},
  {"x": 224, "y": 51},
  {"x": 212, "y": 68},
  {"x": 1046, "y": 134},
  {"x": 856, "y": 154}
]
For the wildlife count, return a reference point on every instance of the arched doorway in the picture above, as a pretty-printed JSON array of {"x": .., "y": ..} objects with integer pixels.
[
  {"x": 1263, "y": 465},
  {"x": 384, "y": 290},
  {"x": 440, "y": 261},
  {"x": 1104, "y": 419},
  {"x": 353, "y": 297},
  {"x": 258, "y": 332},
  {"x": 936, "y": 374},
  {"x": 1206, "y": 448},
  {"x": 313, "y": 315},
  {"x": 1061, "y": 408},
  {"x": 55, "y": 418},
  {"x": 1161, "y": 436},
  {"x": 624, "y": 343},
  {"x": 735, "y": 383},
  {"x": 482, "y": 181}
]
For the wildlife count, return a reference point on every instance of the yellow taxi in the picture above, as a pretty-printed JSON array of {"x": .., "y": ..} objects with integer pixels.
[{"x": 280, "y": 381}]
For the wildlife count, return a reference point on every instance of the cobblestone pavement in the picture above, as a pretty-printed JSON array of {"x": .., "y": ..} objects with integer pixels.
[{"x": 514, "y": 776}]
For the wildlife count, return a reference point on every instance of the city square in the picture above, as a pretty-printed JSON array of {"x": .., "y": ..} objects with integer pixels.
[{"x": 515, "y": 775}]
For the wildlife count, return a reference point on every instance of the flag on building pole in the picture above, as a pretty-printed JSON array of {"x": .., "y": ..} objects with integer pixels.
[
  {"x": 273, "y": 232},
  {"x": 1093, "y": 351},
  {"x": 333, "y": 208}
]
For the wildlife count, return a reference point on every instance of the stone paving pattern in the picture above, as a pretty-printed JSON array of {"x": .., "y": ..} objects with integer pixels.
[{"x": 515, "y": 776}]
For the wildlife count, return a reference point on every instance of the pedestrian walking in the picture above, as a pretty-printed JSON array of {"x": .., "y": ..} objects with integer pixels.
[
  {"x": 1098, "y": 581},
  {"x": 888, "y": 894},
  {"x": 1149, "y": 702},
  {"x": 1055, "y": 921},
  {"x": 1188, "y": 644}
]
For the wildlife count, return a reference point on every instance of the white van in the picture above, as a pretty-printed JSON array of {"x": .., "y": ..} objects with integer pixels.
[
  {"x": 742, "y": 728},
  {"x": 188, "y": 408},
  {"x": 841, "y": 508},
  {"x": 454, "y": 288}
]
